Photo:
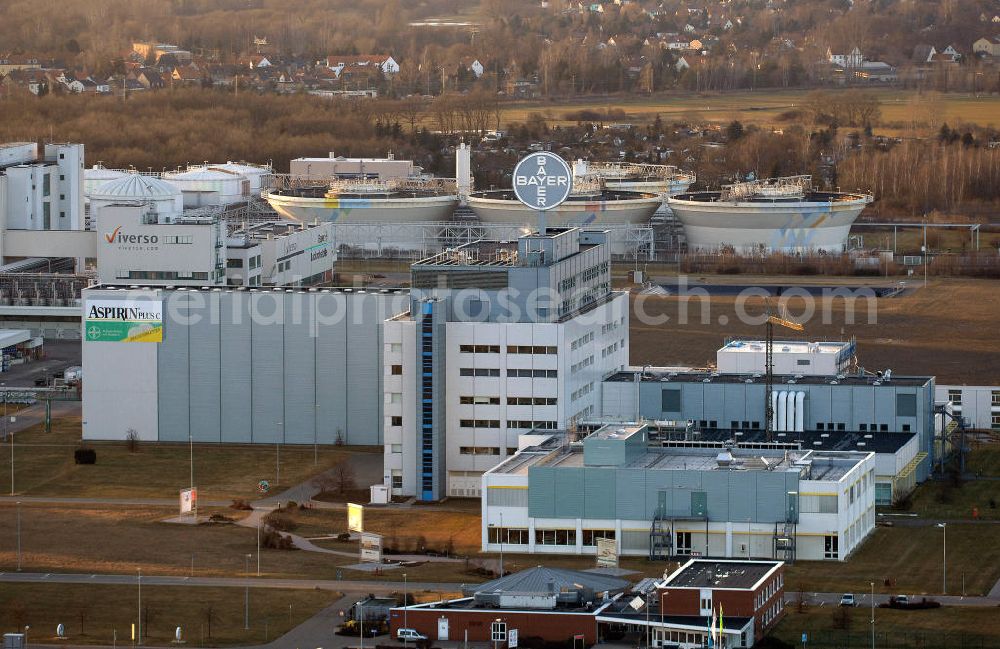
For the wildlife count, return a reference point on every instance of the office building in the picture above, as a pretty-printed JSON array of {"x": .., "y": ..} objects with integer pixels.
[
  {"x": 280, "y": 254},
  {"x": 501, "y": 338},
  {"x": 562, "y": 497}
]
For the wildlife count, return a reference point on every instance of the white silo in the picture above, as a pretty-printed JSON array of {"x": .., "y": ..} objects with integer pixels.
[
  {"x": 165, "y": 199},
  {"x": 97, "y": 176},
  {"x": 202, "y": 186},
  {"x": 258, "y": 176}
]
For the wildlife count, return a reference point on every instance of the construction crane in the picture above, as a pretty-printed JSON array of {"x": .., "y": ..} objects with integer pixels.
[{"x": 769, "y": 363}]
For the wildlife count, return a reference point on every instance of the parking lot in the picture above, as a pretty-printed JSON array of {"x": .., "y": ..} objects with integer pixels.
[{"x": 59, "y": 354}]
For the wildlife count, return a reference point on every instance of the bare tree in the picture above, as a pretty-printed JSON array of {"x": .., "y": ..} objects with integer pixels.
[
  {"x": 132, "y": 440},
  {"x": 344, "y": 477},
  {"x": 210, "y": 615}
]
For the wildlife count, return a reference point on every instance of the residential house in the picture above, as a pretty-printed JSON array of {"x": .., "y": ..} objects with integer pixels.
[
  {"x": 987, "y": 47},
  {"x": 851, "y": 60},
  {"x": 385, "y": 62},
  {"x": 11, "y": 62},
  {"x": 187, "y": 75}
]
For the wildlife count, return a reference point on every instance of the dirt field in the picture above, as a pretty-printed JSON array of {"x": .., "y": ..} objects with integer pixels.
[
  {"x": 948, "y": 329},
  {"x": 762, "y": 108}
]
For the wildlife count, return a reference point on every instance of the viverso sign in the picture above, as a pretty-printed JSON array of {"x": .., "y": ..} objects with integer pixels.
[{"x": 542, "y": 181}]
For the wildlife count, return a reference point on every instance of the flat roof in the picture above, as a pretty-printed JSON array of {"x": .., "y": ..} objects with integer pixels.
[
  {"x": 875, "y": 442},
  {"x": 617, "y": 431},
  {"x": 787, "y": 346},
  {"x": 251, "y": 289},
  {"x": 810, "y": 464},
  {"x": 702, "y": 573},
  {"x": 658, "y": 375}
]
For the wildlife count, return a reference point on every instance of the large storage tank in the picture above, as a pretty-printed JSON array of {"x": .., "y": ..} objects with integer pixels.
[
  {"x": 204, "y": 186},
  {"x": 257, "y": 176},
  {"x": 166, "y": 200},
  {"x": 97, "y": 176}
]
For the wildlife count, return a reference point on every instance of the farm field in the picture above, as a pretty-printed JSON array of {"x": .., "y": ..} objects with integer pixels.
[
  {"x": 931, "y": 629},
  {"x": 762, "y": 107},
  {"x": 945, "y": 329},
  {"x": 209, "y": 617}
]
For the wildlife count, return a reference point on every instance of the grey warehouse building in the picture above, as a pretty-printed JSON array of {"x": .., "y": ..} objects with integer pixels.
[
  {"x": 296, "y": 366},
  {"x": 833, "y": 405}
]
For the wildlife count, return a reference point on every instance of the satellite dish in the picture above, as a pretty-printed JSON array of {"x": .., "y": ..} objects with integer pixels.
[{"x": 61, "y": 631}]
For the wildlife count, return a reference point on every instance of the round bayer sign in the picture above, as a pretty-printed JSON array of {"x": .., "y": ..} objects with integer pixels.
[{"x": 542, "y": 181}]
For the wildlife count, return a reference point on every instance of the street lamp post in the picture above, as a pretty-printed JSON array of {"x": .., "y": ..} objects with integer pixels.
[
  {"x": 872, "y": 584},
  {"x": 246, "y": 594},
  {"x": 944, "y": 558},
  {"x": 139, "y": 637},
  {"x": 500, "y": 536},
  {"x": 19, "y": 536},
  {"x": 277, "y": 454},
  {"x": 406, "y": 603},
  {"x": 361, "y": 621}
]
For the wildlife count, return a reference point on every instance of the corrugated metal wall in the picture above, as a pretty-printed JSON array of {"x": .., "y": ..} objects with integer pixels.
[{"x": 264, "y": 367}]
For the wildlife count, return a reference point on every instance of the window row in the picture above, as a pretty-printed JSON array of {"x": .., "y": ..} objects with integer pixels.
[
  {"x": 512, "y": 373},
  {"x": 576, "y": 367},
  {"x": 541, "y": 425},
  {"x": 479, "y": 349},
  {"x": 531, "y": 401},
  {"x": 582, "y": 340},
  {"x": 479, "y": 450},
  {"x": 479, "y": 423},
  {"x": 532, "y": 349}
]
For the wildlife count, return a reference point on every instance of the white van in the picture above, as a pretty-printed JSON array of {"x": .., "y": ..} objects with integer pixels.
[{"x": 409, "y": 635}]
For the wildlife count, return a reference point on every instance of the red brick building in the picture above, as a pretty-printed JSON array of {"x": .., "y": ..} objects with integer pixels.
[
  {"x": 552, "y": 604},
  {"x": 744, "y": 597}
]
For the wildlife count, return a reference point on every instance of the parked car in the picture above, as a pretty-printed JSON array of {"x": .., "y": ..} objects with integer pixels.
[
  {"x": 902, "y": 600},
  {"x": 409, "y": 635},
  {"x": 847, "y": 599}
]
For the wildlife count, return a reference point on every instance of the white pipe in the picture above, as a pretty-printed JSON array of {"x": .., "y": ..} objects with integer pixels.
[
  {"x": 800, "y": 411},
  {"x": 774, "y": 411},
  {"x": 790, "y": 412},
  {"x": 782, "y": 411}
]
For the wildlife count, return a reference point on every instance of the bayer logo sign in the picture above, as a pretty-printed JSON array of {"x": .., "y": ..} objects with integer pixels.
[{"x": 542, "y": 181}]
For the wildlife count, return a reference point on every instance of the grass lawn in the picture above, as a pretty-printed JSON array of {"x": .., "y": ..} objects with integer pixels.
[
  {"x": 985, "y": 459},
  {"x": 86, "y": 539},
  {"x": 944, "y": 627},
  {"x": 762, "y": 108},
  {"x": 939, "y": 499},
  {"x": 92, "y": 614},
  {"x": 44, "y": 466},
  {"x": 910, "y": 558}
]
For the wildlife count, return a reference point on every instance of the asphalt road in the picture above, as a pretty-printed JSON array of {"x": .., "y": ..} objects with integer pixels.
[
  {"x": 318, "y": 631},
  {"x": 235, "y": 582}
]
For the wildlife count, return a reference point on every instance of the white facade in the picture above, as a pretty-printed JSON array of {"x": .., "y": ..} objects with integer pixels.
[
  {"x": 790, "y": 357},
  {"x": 834, "y": 517},
  {"x": 135, "y": 248},
  {"x": 978, "y": 404},
  {"x": 280, "y": 254},
  {"x": 502, "y": 380},
  {"x": 42, "y": 193}
]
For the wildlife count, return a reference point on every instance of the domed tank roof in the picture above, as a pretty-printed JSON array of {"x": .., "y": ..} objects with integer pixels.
[{"x": 135, "y": 186}]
